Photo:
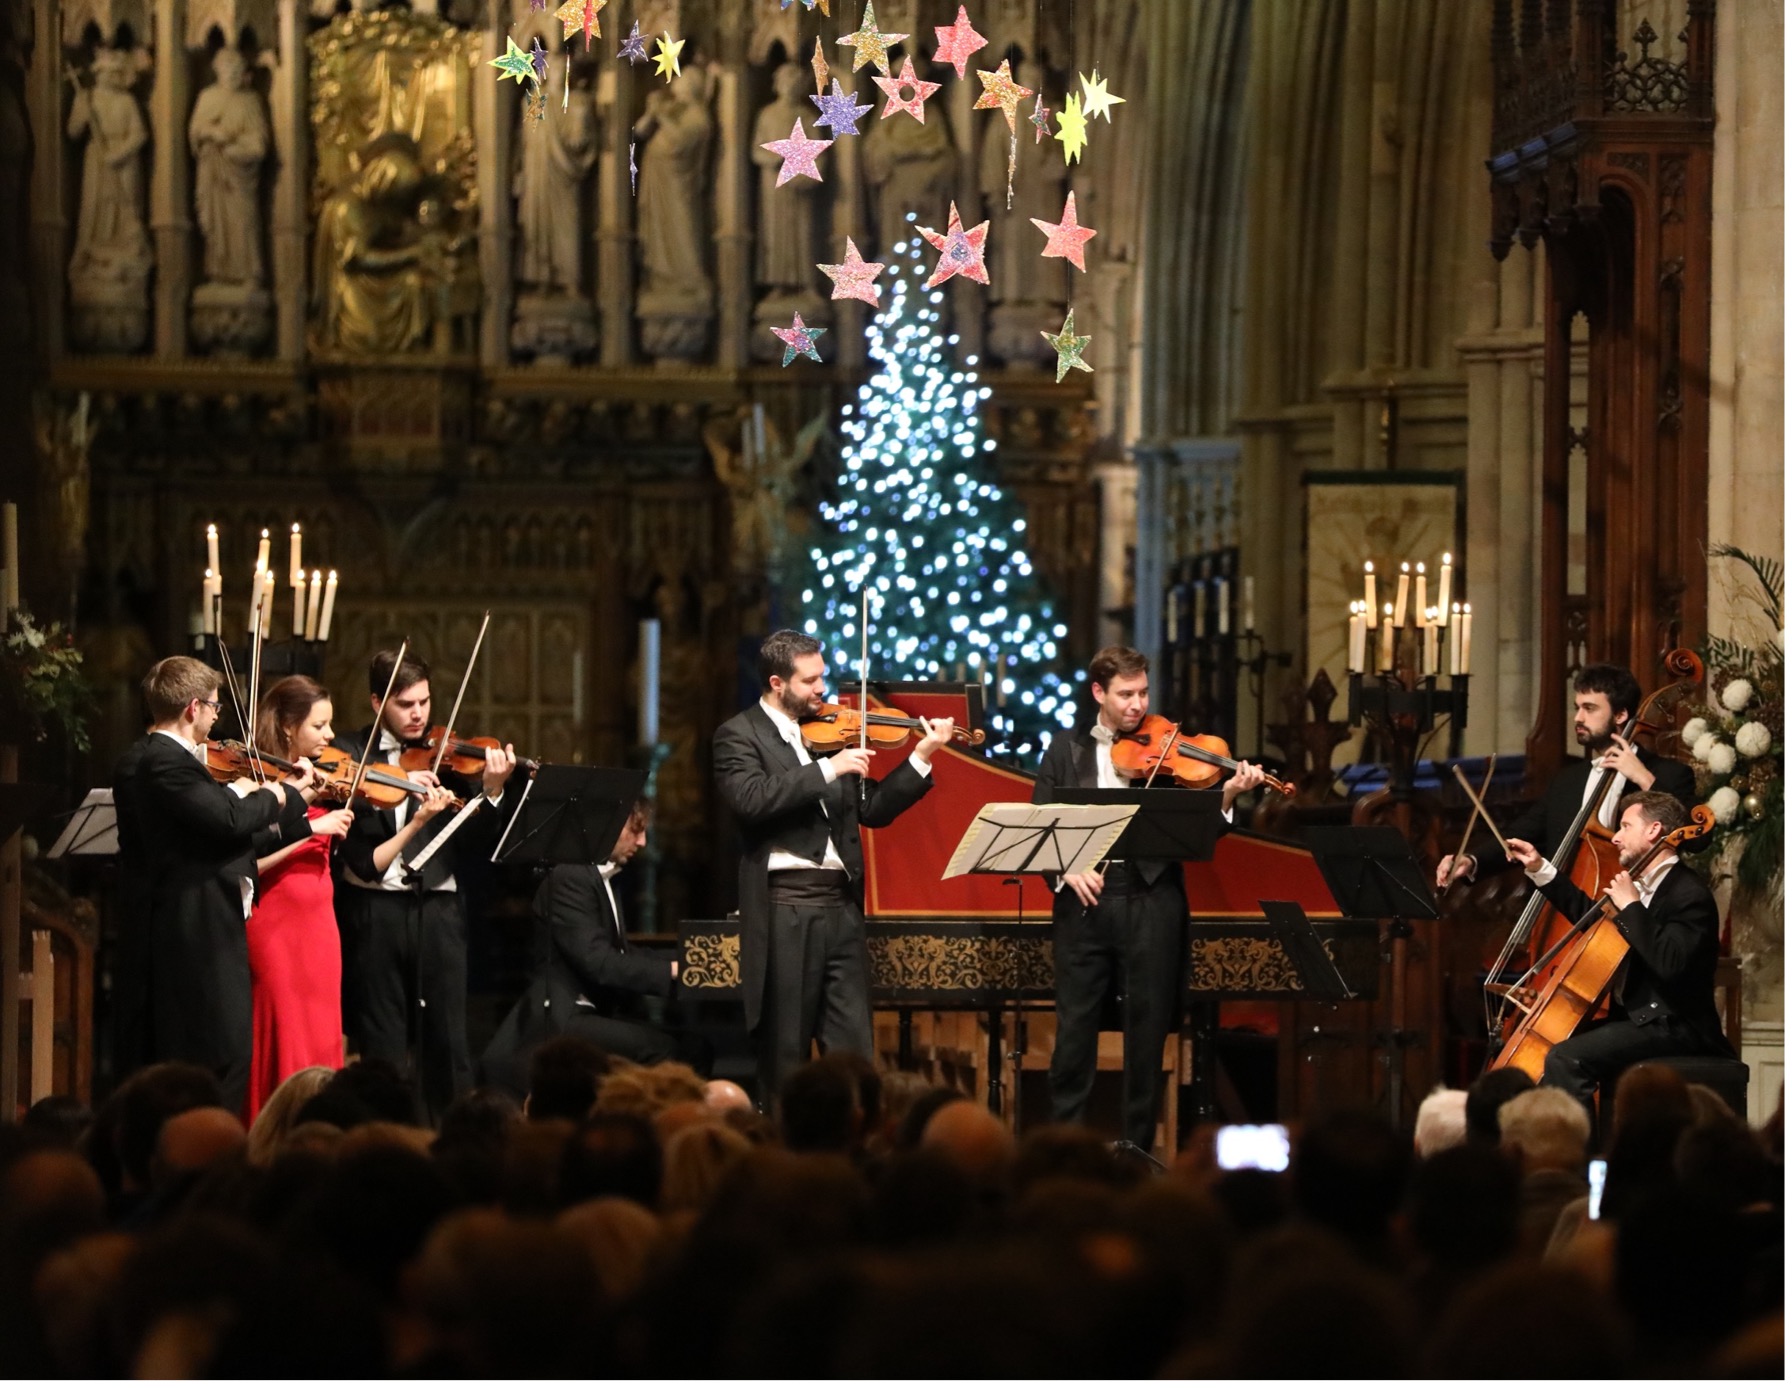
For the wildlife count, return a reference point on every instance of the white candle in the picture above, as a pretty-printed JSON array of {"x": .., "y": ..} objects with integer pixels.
[
  {"x": 295, "y": 567},
  {"x": 1428, "y": 637},
  {"x": 1456, "y": 639},
  {"x": 1420, "y": 610},
  {"x": 1400, "y": 593},
  {"x": 649, "y": 729},
  {"x": 267, "y": 603},
  {"x": 9, "y": 546},
  {"x": 211, "y": 549},
  {"x": 323, "y": 622},
  {"x": 1369, "y": 605},
  {"x": 314, "y": 605},
  {"x": 1468, "y": 632},
  {"x": 578, "y": 689},
  {"x": 1358, "y": 635},
  {"x": 1250, "y": 603},
  {"x": 1198, "y": 596},
  {"x": 255, "y": 592},
  {"x": 1225, "y": 606},
  {"x": 1443, "y": 586},
  {"x": 207, "y": 619},
  {"x": 261, "y": 555},
  {"x": 1387, "y": 637},
  {"x": 1170, "y": 615}
]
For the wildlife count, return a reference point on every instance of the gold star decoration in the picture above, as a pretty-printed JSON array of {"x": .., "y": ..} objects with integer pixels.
[
  {"x": 1096, "y": 98},
  {"x": 869, "y": 46},
  {"x": 580, "y": 16},
  {"x": 819, "y": 66},
  {"x": 1073, "y": 130},
  {"x": 1069, "y": 346},
  {"x": 665, "y": 62},
  {"x": 1001, "y": 92}
]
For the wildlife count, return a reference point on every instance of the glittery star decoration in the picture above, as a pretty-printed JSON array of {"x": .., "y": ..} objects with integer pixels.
[
  {"x": 961, "y": 251},
  {"x": 665, "y": 62},
  {"x": 1065, "y": 239},
  {"x": 799, "y": 154},
  {"x": 839, "y": 112},
  {"x": 634, "y": 47},
  {"x": 1097, "y": 99},
  {"x": 1073, "y": 130},
  {"x": 1069, "y": 346},
  {"x": 580, "y": 16},
  {"x": 632, "y": 171},
  {"x": 1041, "y": 119},
  {"x": 916, "y": 105},
  {"x": 819, "y": 66},
  {"x": 807, "y": 5},
  {"x": 853, "y": 279},
  {"x": 869, "y": 46},
  {"x": 538, "y": 62},
  {"x": 514, "y": 63},
  {"x": 537, "y": 6},
  {"x": 798, "y": 340},
  {"x": 1001, "y": 91},
  {"x": 957, "y": 41}
]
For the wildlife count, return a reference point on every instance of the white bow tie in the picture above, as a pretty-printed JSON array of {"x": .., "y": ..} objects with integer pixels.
[{"x": 1103, "y": 734}]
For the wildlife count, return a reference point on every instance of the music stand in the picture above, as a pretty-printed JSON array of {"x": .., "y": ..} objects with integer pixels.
[
  {"x": 1299, "y": 938},
  {"x": 1171, "y": 824},
  {"x": 1372, "y": 873},
  {"x": 570, "y": 814},
  {"x": 92, "y": 829}
]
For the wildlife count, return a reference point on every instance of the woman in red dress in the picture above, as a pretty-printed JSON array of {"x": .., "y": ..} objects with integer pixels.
[{"x": 295, "y": 953}]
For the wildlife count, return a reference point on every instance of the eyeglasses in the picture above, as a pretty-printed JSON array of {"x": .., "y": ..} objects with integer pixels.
[{"x": 215, "y": 705}]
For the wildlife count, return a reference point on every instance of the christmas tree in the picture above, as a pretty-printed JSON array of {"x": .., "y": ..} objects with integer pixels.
[{"x": 920, "y": 517}]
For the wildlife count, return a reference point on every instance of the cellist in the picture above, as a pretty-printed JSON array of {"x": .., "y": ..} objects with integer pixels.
[
  {"x": 1661, "y": 998},
  {"x": 1605, "y": 698}
]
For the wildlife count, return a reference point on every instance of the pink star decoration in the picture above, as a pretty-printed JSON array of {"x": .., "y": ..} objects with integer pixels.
[
  {"x": 892, "y": 86},
  {"x": 799, "y": 153},
  {"x": 957, "y": 41},
  {"x": 1065, "y": 240},
  {"x": 853, "y": 278},
  {"x": 961, "y": 251},
  {"x": 798, "y": 340}
]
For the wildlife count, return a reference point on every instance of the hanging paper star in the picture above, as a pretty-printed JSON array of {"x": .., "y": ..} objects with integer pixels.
[
  {"x": 798, "y": 340},
  {"x": 665, "y": 62},
  {"x": 799, "y": 153},
  {"x": 892, "y": 86},
  {"x": 535, "y": 105},
  {"x": 819, "y": 66},
  {"x": 1000, "y": 90},
  {"x": 1072, "y": 129},
  {"x": 957, "y": 41},
  {"x": 1096, "y": 97},
  {"x": 537, "y": 6},
  {"x": 838, "y": 112},
  {"x": 1069, "y": 346},
  {"x": 869, "y": 46},
  {"x": 961, "y": 251},
  {"x": 631, "y": 168},
  {"x": 538, "y": 62},
  {"x": 807, "y": 5},
  {"x": 514, "y": 63},
  {"x": 634, "y": 47},
  {"x": 1041, "y": 119},
  {"x": 580, "y": 16},
  {"x": 853, "y": 278},
  {"x": 1065, "y": 240}
]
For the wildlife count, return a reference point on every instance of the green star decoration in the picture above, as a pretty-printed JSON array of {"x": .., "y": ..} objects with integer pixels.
[
  {"x": 869, "y": 46},
  {"x": 1069, "y": 346},
  {"x": 515, "y": 63}
]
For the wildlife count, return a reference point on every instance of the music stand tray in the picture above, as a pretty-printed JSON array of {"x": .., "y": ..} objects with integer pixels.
[
  {"x": 1300, "y": 940},
  {"x": 92, "y": 830},
  {"x": 1172, "y": 824},
  {"x": 1372, "y": 873},
  {"x": 1011, "y": 837},
  {"x": 570, "y": 814}
]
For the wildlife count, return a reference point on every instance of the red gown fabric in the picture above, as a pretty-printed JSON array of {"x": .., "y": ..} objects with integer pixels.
[{"x": 295, "y": 971}]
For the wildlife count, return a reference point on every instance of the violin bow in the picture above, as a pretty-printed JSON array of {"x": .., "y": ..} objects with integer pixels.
[
  {"x": 1480, "y": 809},
  {"x": 461, "y": 693},
  {"x": 231, "y": 686},
  {"x": 864, "y": 665},
  {"x": 255, "y": 767},
  {"x": 379, "y": 721}
]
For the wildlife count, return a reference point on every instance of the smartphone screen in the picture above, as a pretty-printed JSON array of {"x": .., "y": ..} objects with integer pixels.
[
  {"x": 1252, "y": 1146},
  {"x": 1595, "y": 1186}
]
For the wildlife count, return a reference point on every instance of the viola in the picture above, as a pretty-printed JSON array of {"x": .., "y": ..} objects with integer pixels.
[
  {"x": 835, "y": 727},
  {"x": 1198, "y": 761},
  {"x": 463, "y": 755}
]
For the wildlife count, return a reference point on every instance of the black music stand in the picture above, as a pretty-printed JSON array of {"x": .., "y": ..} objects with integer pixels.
[
  {"x": 1320, "y": 978},
  {"x": 1170, "y": 824},
  {"x": 570, "y": 814}
]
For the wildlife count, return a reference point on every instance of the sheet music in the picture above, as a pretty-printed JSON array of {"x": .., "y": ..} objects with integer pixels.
[
  {"x": 92, "y": 830},
  {"x": 1014, "y": 837}
]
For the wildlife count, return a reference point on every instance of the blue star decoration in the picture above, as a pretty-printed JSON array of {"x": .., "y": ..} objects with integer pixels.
[
  {"x": 798, "y": 340},
  {"x": 634, "y": 47},
  {"x": 838, "y": 111},
  {"x": 538, "y": 61}
]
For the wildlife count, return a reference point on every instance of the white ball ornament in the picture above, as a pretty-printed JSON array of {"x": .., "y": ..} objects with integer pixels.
[
  {"x": 1736, "y": 695},
  {"x": 1724, "y": 802},
  {"x": 1722, "y": 759},
  {"x": 1702, "y": 745},
  {"x": 1695, "y": 729}
]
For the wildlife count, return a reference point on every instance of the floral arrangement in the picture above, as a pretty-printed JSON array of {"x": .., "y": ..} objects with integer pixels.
[
  {"x": 41, "y": 682},
  {"x": 1738, "y": 747}
]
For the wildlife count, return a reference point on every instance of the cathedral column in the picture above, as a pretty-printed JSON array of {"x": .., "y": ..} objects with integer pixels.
[
  {"x": 734, "y": 234},
  {"x": 49, "y": 223},
  {"x": 171, "y": 186},
  {"x": 1120, "y": 485},
  {"x": 615, "y": 214},
  {"x": 291, "y": 130},
  {"x": 493, "y": 124}
]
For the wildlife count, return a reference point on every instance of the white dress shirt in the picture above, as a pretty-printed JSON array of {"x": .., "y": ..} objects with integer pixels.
[
  {"x": 605, "y": 872},
  {"x": 396, "y": 876},
  {"x": 1646, "y": 885}
]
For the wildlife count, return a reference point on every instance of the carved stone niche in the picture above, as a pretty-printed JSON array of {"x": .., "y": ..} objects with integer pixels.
[{"x": 553, "y": 328}]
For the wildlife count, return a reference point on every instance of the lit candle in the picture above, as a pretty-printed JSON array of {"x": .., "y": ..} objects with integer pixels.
[
  {"x": 1225, "y": 606},
  {"x": 1250, "y": 603},
  {"x": 314, "y": 605},
  {"x": 1456, "y": 639},
  {"x": 1358, "y": 635},
  {"x": 1170, "y": 615},
  {"x": 207, "y": 619},
  {"x": 1400, "y": 593},
  {"x": 261, "y": 555},
  {"x": 267, "y": 603},
  {"x": 649, "y": 729},
  {"x": 1420, "y": 610},
  {"x": 578, "y": 689},
  {"x": 1387, "y": 637},
  {"x": 255, "y": 592},
  {"x": 211, "y": 549},
  {"x": 1468, "y": 632},
  {"x": 1198, "y": 596},
  {"x": 1429, "y": 636},
  {"x": 323, "y": 622},
  {"x": 1369, "y": 605},
  {"x": 1443, "y": 586}
]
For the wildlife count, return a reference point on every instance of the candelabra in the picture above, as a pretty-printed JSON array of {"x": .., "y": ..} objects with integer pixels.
[{"x": 1403, "y": 708}]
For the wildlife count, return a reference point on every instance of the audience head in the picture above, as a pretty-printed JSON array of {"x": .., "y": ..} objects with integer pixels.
[
  {"x": 1462, "y": 1208},
  {"x": 973, "y": 1139},
  {"x": 1546, "y": 1129},
  {"x": 1487, "y": 1096},
  {"x": 1349, "y": 1172},
  {"x": 136, "y": 1112},
  {"x": 279, "y": 1115},
  {"x": 367, "y": 1091},
  {"x": 1442, "y": 1122},
  {"x": 59, "y": 1119},
  {"x": 564, "y": 1074},
  {"x": 697, "y": 1159},
  {"x": 612, "y": 1153},
  {"x": 619, "y": 1235},
  {"x": 649, "y": 1089},
  {"x": 724, "y": 1096},
  {"x": 1725, "y": 1165},
  {"x": 191, "y": 1142},
  {"x": 820, "y": 1109}
]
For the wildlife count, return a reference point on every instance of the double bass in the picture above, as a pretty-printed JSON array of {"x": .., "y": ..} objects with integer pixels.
[{"x": 1586, "y": 857}]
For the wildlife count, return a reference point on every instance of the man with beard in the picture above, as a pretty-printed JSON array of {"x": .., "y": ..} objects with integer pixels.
[
  {"x": 1120, "y": 928},
  {"x": 1662, "y": 995},
  {"x": 805, "y": 974},
  {"x": 1605, "y": 697}
]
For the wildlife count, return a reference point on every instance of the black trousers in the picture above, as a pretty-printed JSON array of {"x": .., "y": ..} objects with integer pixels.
[
  {"x": 817, "y": 980},
  {"x": 1130, "y": 943},
  {"x": 404, "y": 986},
  {"x": 1605, "y": 1050}
]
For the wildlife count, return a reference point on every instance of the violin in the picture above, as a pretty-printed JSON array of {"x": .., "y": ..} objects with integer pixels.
[
  {"x": 465, "y": 756},
  {"x": 1197, "y": 761},
  {"x": 383, "y": 787},
  {"x": 835, "y": 727}
]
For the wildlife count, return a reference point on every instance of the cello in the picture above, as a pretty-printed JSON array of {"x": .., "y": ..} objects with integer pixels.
[{"x": 1585, "y": 857}]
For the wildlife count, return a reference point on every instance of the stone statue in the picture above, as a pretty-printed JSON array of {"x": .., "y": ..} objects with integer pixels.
[
  {"x": 787, "y": 256},
  {"x": 108, "y": 274},
  {"x": 554, "y": 156},
  {"x": 677, "y": 300},
  {"x": 911, "y": 167},
  {"x": 230, "y": 139},
  {"x": 1024, "y": 289}
]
